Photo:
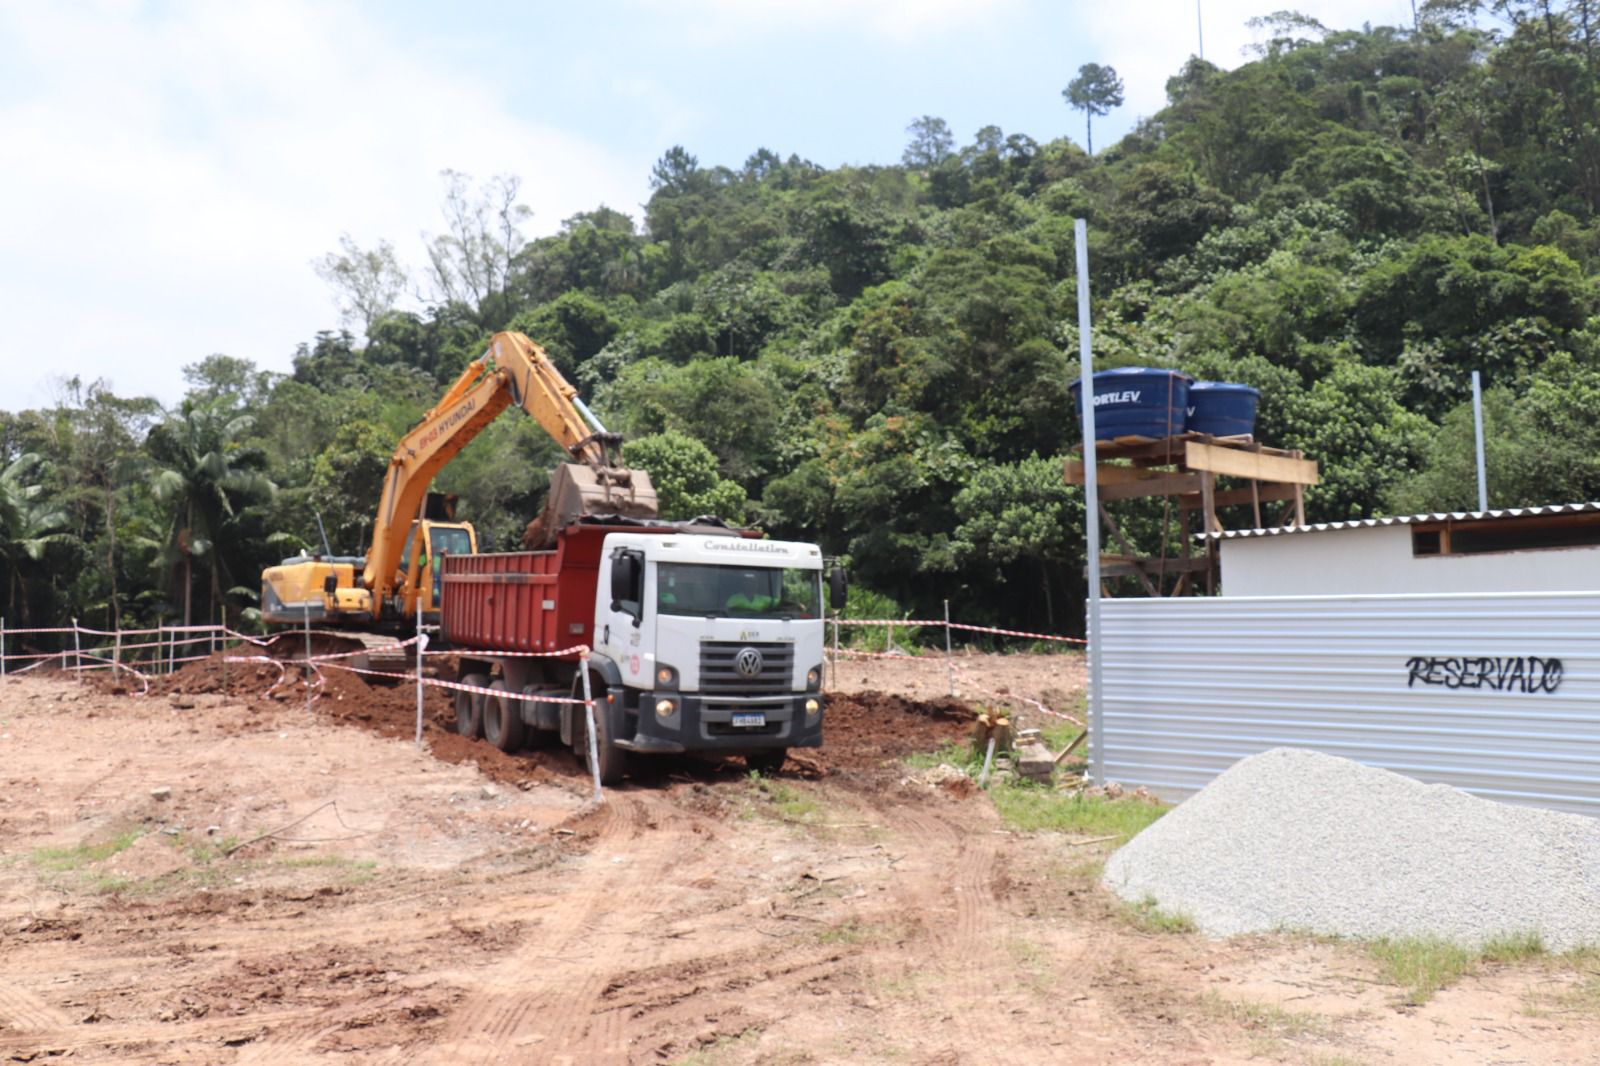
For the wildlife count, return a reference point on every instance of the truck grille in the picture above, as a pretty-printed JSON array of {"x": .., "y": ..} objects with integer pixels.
[{"x": 719, "y": 668}]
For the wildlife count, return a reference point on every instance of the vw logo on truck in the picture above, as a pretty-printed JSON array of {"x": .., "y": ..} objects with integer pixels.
[{"x": 748, "y": 662}]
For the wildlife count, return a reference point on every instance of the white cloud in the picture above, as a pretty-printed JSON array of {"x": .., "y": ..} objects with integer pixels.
[
  {"x": 896, "y": 20},
  {"x": 1148, "y": 41},
  {"x": 171, "y": 174}
]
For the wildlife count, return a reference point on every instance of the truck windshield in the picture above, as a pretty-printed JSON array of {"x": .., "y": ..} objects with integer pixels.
[{"x": 738, "y": 591}]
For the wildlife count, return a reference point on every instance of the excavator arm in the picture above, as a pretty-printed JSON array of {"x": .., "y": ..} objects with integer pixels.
[{"x": 514, "y": 371}]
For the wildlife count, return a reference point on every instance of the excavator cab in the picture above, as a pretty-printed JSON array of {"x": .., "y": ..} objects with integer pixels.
[{"x": 423, "y": 576}]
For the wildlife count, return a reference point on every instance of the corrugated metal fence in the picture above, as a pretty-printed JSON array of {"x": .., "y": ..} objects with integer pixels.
[{"x": 1495, "y": 694}]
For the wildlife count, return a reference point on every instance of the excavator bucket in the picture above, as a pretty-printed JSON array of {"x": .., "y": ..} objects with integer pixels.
[{"x": 578, "y": 491}]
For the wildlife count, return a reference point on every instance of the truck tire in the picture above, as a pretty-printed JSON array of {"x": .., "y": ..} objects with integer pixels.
[
  {"x": 469, "y": 707},
  {"x": 502, "y": 717},
  {"x": 766, "y": 762},
  {"x": 613, "y": 760}
]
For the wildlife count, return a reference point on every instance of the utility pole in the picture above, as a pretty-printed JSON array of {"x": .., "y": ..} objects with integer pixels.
[
  {"x": 1200, "y": 24},
  {"x": 1477, "y": 427}
]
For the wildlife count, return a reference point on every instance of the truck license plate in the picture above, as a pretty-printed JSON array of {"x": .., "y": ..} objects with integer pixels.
[{"x": 755, "y": 718}]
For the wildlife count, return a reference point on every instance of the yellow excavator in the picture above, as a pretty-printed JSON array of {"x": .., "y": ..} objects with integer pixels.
[{"x": 383, "y": 590}]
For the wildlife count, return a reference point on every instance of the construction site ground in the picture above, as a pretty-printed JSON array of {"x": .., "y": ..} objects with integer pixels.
[{"x": 202, "y": 874}]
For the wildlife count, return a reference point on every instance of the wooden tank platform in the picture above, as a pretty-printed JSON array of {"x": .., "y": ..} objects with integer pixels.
[{"x": 1184, "y": 468}]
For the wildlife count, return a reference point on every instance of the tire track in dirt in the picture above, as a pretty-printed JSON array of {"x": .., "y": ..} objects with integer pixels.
[
  {"x": 108, "y": 1035},
  {"x": 25, "y": 1012},
  {"x": 961, "y": 932},
  {"x": 543, "y": 1009}
]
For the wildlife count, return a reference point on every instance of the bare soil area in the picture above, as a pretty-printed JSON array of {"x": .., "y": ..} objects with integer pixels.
[{"x": 205, "y": 875}]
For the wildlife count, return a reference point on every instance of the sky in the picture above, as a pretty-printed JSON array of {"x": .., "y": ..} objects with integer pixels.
[{"x": 170, "y": 170}]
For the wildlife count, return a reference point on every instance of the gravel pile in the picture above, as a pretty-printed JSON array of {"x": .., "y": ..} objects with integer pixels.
[{"x": 1296, "y": 840}]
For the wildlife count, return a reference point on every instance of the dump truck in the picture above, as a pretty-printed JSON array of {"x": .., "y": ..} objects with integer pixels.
[{"x": 694, "y": 637}]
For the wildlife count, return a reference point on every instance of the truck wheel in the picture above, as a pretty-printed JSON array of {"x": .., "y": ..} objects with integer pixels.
[
  {"x": 502, "y": 718},
  {"x": 469, "y": 707},
  {"x": 613, "y": 760},
  {"x": 766, "y": 762}
]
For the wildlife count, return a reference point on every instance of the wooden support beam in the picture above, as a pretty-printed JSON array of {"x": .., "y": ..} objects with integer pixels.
[
  {"x": 1235, "y": 462},
  {"x": 1113, "y": 473},
  {"x": 1144, "y": 578},
  {"x": 1269, "y": 491},
  {"x": 1161, "y": 484}
]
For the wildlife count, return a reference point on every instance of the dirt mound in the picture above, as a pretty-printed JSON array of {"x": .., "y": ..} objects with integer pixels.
[{"x": 864, "y": 730}]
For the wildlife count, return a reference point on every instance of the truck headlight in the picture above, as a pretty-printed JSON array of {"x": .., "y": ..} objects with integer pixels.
[
  {"x": 813, "y": 706},
  {"x": 664, "y": 708},
  {"x": 814, "y": 678},
  {"x": 666, "y": 676}
]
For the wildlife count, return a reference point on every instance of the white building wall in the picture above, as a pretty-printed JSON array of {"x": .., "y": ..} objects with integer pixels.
[{"x": 1377, "y": 560}]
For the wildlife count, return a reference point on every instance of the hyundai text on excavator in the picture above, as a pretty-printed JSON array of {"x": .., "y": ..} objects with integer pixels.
[{"x": 380, "y": 592}]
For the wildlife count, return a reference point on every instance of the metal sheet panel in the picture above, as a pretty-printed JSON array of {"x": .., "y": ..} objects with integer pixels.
[{"x": 1455, "y": 689}]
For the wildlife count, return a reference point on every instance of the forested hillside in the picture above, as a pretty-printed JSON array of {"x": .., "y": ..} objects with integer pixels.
[{"x": 877, "y": 357}]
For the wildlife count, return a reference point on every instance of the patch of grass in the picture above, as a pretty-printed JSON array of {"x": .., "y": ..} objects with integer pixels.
[
  {"x": 716, "y": 1051},
  {"x": 1512, "y": 947},
  {"x": 788, "y": 803},
  {"x": 1423, "y": 964},
  {"x": 1024, "y": 805},
  {"x": 1033, "y": 968},
  {"x": 1059, "y": 734},
  {"x": 326, "y": 860},
  {"x": 67, "y": 860},
  {"x": 954, "y": 753},
  {"x": 1274, "y": 1021},
  {"x": 208, "y": 851},
  {"x": 1148, "y": 915},
  {"x": 849, "y": 932},
  {"x": 354, "y": 871}
]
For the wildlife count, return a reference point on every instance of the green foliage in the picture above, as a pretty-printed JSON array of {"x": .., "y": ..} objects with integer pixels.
[{"x": 684, "y": 473}]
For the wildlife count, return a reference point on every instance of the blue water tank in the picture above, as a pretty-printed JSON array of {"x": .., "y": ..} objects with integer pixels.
[
  {"x": 1137, "y": 401},
  {"x": 1222, "y": 408}
]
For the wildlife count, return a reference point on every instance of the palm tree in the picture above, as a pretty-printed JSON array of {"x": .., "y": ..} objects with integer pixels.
[
  {"x": 206, "y": 476},
  {"x": 29, "y": 525}
]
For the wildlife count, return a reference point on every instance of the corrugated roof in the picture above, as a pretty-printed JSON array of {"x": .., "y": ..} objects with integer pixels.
[{"x": 1409, "y": 519}]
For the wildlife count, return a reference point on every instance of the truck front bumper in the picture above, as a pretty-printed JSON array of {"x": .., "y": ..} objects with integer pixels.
[{"x": 701, "y": 724}]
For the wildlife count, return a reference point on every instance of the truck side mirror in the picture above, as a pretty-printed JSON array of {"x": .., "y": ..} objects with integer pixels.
[
  {"x": 838, "y": 587},
  {"x": 625, "y": 581}
]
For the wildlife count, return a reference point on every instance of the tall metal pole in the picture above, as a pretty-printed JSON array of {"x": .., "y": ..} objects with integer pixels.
[
  {"x": 1477, "y": 425},
  {"x": 589, "y": 712},
  {"x": 1200, "y": 24},
  {"x": 1091, "y": 508},
  {"x": 949, "y": 662},
  {"x": 308, "y": 658}
]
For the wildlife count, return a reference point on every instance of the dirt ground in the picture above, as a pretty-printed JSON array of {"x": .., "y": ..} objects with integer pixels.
[{"x": 457, "y": 905}]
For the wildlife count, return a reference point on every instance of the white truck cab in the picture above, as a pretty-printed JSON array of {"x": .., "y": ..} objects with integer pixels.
[{"x": 715, "y": 642}]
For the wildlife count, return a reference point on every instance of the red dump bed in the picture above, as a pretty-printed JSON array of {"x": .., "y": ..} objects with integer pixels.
[{"x": 526, "y": 601}]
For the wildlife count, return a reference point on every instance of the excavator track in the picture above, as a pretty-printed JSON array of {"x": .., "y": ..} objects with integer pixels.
[{"x": 380, "y": 652}]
